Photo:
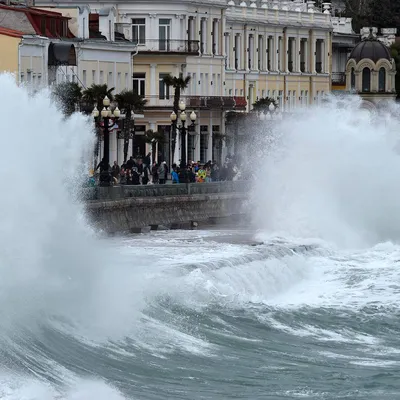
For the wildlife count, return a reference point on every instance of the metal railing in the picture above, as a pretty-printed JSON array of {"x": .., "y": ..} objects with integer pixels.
[
  {"x": 128, "y": 191},
  {"x": 170, "y": 46},
  {"x": 338, "y": 78},
  {"x": 197, "y": 102}
]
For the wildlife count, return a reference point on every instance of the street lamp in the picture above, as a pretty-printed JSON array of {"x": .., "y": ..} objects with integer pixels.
[
  {"x": 106, "y": 116},
  {"x": 182, "y": 129}
]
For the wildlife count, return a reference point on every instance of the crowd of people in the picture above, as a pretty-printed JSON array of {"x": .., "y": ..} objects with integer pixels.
[{"x": 140, "y": 171}]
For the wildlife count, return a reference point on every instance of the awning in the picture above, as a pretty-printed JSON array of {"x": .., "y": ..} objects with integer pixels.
[{"x": 61, "y": 53}]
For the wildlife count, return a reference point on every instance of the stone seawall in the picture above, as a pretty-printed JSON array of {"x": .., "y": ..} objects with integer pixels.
[{"x": 134, "y": 213}]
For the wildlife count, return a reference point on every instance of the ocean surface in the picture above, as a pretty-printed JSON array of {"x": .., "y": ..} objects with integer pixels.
[{"x": 303, "y": 304}]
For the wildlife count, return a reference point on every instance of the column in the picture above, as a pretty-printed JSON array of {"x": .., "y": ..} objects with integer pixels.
[
  {"x": 286, "y": 51},
  {"x": 153, "y": 85},
  {"x": 197, "y": 139},
  {"x": 276, "y": 52},
  {"x": 210, "y": 141},
  {"x": 297, "y": 58},
  {"x": 313, "y": 43},
  {"x": 328, "y": 45},
  {"x": 209, "y": 24}
]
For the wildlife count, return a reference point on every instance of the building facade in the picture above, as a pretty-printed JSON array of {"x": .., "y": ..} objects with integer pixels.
[
  {"x": 235, "y": 52},
  {"x": 371, "y": 72},
  {"x": 343, "y": 41}
]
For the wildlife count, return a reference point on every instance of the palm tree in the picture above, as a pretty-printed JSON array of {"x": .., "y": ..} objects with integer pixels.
[
  {"x": 95, "y": 95},
  {"x": 179, "y": 84},
  {"x": 68, "y": 95},
  {"x": 129, "y": 101},
  {"x": 153, "y": 138},
  {"x": 264, "y": 103}
]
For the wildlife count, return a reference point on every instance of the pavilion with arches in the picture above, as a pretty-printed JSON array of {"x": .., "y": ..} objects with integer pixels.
[{"x": 371, "y": 73}]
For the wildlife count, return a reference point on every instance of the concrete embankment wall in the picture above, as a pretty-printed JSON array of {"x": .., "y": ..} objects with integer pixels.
[{"x": 112, "y": 213}]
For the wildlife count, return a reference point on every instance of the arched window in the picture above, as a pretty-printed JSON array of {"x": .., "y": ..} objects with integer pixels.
[
  {"x": 353, "y": 79},
  {"x": 366, "y": 80},
  {"x": 382, "y": 80}
]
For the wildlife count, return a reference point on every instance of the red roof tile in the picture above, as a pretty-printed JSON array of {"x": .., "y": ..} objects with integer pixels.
[{"x": 10, "y": 32}]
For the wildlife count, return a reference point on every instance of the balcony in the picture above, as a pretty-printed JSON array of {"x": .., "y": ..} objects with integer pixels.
[
  {"x": 170, "y": 46},
  {"x": 223, "y": 103},
  {"x": 338, "y": 78},
  {"x": 318, "y": 67},
  {"x": 290, "y": 66},
  {"x": 211, "y": 102},
  {"x": 302, "y": 66}
]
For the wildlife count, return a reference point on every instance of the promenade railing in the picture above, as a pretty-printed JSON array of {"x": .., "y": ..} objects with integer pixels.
[{"x": 178, "y": 189}]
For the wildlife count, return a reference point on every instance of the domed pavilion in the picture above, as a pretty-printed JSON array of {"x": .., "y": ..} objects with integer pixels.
[{"x": 371, "y": 72}]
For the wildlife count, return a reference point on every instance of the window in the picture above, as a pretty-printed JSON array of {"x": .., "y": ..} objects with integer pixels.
[
  {"x": 366, "y": 80},
  {"x": 119, "y": 87},
  {"x": 163, "y": 89},
  {"x": 280, "y": 99},
  {"x": 203, "y": 35},
  {"x": 353, "y": 79},
  {"x": 164, "y": 33},
  {"x": 110, "y": 80},
  {"x": 93, "y": 76},
  {"x": 101, "y": 81},
  {"x": 216, "y": 153},
  {"x": 84, "y": 77},
  {"x": 237, "y": 52},
  {"x": 382, "y": 80},
  {"x": 215, "y": 36},
  {"x": 139, "y": 31},
  {"x": 139, "y": 84},
  {"x": 126, "y": 81},
  {"x": 227, "y": 51}
]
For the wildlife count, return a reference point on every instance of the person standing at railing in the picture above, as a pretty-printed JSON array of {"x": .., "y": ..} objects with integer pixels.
[{"x": 174, "y": 176}]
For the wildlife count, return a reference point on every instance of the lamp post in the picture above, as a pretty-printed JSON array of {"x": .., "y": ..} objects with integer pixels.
[
  {"x": 106, "y": 116},
  {"x": 182, "y": 130}
]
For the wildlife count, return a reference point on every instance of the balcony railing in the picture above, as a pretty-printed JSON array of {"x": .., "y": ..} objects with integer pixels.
[
  {"x": 224, "y": 103},
  {"x": 170, "y": 46},
  {"x": 338, "y": 78}
]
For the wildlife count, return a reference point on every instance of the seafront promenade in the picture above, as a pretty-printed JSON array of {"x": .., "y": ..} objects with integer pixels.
[{"x": 137, "y": 208}]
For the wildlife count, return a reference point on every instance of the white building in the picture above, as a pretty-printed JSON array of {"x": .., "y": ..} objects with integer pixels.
[{"x": 234, "y": 51}]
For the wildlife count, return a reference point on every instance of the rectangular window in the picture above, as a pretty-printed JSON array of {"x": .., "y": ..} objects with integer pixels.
[
  {"x": 164, "y": 34},
  {"x": 101, "y": 80},
  {"x": 93, "y": 76},
  {"x": 281, "y": 99},
  {"x": 139, "y": 84},
  {"x": 139, "y": 31},
  {"x": 126, "y": 81},
  {"x": 119, "y": 87},
  {"x": 110, "y": 80},
  {"x": 163, "y": 89},
  {"x": 84, "y": 77}
]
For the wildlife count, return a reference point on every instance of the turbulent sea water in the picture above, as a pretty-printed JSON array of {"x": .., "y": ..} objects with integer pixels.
[{"x": 311, "y": 312}]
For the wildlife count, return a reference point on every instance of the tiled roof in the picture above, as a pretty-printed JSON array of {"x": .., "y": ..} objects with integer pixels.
[{"x": 10, "y": 32}]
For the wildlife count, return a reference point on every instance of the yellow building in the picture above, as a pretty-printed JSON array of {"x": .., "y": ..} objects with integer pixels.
[
  {"x": 9, "y": 42},
  {"x": 235, "y": 53}
]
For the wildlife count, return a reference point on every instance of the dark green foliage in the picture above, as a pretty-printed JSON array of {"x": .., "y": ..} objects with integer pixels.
[
  {"x": 264, "y": 103},
  {"x": 68, "y": 95}
]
